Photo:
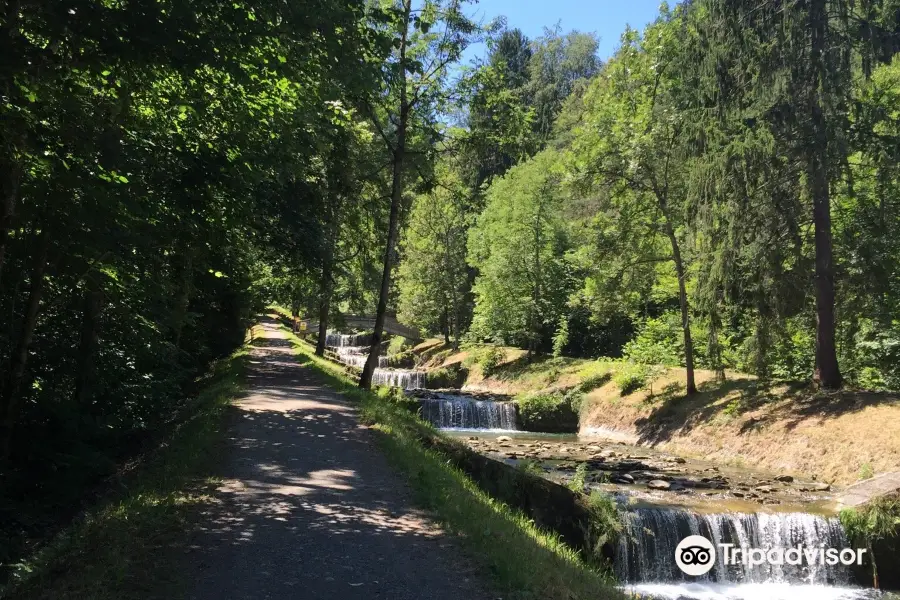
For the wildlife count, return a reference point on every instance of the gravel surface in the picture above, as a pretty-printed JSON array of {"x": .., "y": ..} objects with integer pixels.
[{"x": 309, "y": 508}]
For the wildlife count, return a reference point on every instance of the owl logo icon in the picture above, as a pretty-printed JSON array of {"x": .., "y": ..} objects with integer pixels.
[{"x": 695, "y": 555}]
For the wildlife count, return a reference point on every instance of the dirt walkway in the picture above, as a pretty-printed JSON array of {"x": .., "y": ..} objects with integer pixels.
[{"x": 308, "y": 506}]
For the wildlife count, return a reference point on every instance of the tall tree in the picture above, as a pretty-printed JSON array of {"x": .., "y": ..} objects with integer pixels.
[
  {"x": 427, "y": 41},
  {"x": 629, "y": 144},
  {"x": 433, "y": 277}
]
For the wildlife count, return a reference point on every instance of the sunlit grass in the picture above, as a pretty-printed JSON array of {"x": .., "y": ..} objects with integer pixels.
[{"x": 524, "y": 561}]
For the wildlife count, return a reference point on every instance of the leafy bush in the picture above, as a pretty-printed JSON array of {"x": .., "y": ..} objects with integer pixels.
[
  {"x": 491, "y": 360},
  {"x": 631, "y": 377},
  {"x": 879, "y": 520},
  {"x": 396, "y": 396},
  {"x": 593, "y": 381},
  {"x": 486, "y": 357},
  {"x": 532, "y": 467},
  {"x": 452, "y": 376},
  {"x": 660, "y": 342},
  {"x": 550, "y": 412},
  {"x": 579, "y": 479},
  {"x": 398, "y": 344},
  {"x": 606, "y": 520}
]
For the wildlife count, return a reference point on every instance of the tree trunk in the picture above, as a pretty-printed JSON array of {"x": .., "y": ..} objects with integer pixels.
[
  {"x": 19, "y": 358},
  {"x": 827, "y": 374},
  {"x": 183, "y": 301},
  {"x": 10, "y": 172},
  {"x": 90, "y": 337},
  {"x": 365, "y": 381},
  {"x": 13, "y": 140},
  {"x": 690, "y": 385},
  {"x": 325, "y": 289}
]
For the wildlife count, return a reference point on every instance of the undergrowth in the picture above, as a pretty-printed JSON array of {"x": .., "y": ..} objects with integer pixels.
[{"x": 122, "y": 547}]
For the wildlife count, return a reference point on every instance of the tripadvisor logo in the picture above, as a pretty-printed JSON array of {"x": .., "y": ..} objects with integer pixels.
[{"x": 695, "y": 555}]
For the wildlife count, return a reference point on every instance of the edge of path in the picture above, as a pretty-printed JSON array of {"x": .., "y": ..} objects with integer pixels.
[{"x": 127, "y": 543}]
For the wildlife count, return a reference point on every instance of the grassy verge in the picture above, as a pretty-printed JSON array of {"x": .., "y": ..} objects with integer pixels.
[
  {"x": 124, "y": 547},
  {"x": 524, "y": 562}
]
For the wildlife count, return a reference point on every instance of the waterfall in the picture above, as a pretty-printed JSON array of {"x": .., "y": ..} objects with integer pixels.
[
  {"x": 337, "y": 340},
  {"x": 646, "y": 548},
  {"x": 408, "y": 380},
  {"x": 356, "y": 356},
  {"x": 456, "y": 412}
]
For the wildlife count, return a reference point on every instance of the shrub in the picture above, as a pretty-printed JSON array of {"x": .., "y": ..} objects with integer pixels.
[
  {"x": 593, "y": 381},
  {"x": 606, "y": 520},
  {"x": 452, "y": 376},
  {"x": 532, "y": 467},
  {"x": 579, "y": 479},
  {"x": 398, "y": 344},
  {"x": 660, "y": 342},
  {"x": 491, "y": 360},
  {"x": 631, "y": 377},
  {"x": 879, "y": 520},
  {"x": 551, "y": 412},
  {"x": 486, "y": 357}
]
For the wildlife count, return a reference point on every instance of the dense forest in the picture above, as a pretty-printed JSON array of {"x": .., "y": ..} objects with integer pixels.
[{"x": 720, "y": 194}]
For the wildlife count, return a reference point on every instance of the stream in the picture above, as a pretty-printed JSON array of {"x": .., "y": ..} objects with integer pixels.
[{"x": 664, "y": 498}]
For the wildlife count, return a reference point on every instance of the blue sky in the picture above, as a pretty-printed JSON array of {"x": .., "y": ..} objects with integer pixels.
[{"x": 606, "y": 18}]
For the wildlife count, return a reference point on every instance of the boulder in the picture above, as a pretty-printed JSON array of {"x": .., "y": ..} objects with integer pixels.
[
  {"x": 504, "y": 438},
  {"x": 622, "y": 478},
  {"x": 659, "y": 484},
  {"x": 784, "y": 478}
]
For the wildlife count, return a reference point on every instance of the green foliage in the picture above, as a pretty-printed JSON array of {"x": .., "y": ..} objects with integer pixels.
[
  {"x": 659, "y": 342},
  {"x": 606, "y": 522},
  {"x": 397, "y": 345},
  {"x": 877, "y": 520},
  {"x": 866, "y": 471},
  {"x": 488, "y": 358},
  {"x": 630, "y": 377},
  {"x": 593, "y": 381},
  {"x": 122, "y": 546},
  {"x": 518, "y": 245},
  {"x": 433, "y": 278},
  {"x": 579, "y": 478},
  {"x": 531, "y": 467},
  {"x": 552, "y": 412}
]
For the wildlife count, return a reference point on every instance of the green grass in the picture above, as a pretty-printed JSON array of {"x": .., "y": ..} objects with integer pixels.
[
  {"x": 125, "y": 546},
  {"x": 523, "y": 561}
]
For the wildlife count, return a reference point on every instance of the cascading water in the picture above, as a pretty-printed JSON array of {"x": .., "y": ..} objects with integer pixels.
[
  {"x": 457, "y": 412},
  {"x": 352, "y": 353},
  {"x": 407, "y": 380},
  {"x": 356, "y": 356},
  {"x": 337, "y": 340},
  {"x": 645, "y": 557}
]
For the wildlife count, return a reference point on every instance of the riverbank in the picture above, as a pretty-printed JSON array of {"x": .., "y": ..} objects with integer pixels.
[{"x": 782, "y": 427}]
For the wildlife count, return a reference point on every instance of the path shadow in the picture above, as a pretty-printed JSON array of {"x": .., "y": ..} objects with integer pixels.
[{"x": 306, "y": 507}]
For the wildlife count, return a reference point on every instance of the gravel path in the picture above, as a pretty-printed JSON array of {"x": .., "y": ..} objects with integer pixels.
[{"x": 308, "y": 506}]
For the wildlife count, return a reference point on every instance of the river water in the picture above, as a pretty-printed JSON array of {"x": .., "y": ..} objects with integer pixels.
[{"x": 664, "y": 498}]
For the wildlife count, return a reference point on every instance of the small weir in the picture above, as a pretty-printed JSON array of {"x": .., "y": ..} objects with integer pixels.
[
  {"x": 356, "y": 356},
  {"x": 460, "y": 412},
  {"x": 646, "y": 552},
  {"x": 351, "y": 353},
  {"x": 337, "y": 340},
  {"x": 400, "y": 378}
]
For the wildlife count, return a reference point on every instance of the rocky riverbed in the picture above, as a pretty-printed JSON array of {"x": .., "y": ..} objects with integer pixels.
[{"x": 642, "y": 476}]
